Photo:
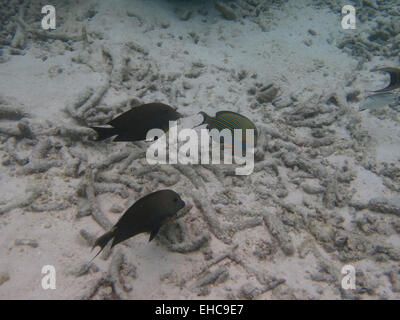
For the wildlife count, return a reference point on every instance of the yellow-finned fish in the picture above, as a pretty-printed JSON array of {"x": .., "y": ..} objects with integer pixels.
[{"x": 231, "y": 121}]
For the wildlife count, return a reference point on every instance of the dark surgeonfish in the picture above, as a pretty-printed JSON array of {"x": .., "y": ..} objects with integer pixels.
[
  {"x": 394, "y": 78},
  {"x": 231, "y": 121},
  {"x": 147, "y": 214},
  {"x": 134, "y": 124}
]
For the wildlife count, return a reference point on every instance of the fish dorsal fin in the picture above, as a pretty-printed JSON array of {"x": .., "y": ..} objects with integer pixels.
[
  {"x": 228, "y": 112},
  {"x": 154, "y": 232},
  {"x": 234, "y": 114},
  {"x": 134, "y": 111}
]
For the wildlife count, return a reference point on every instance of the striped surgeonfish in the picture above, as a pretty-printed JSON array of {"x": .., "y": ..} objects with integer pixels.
[{"x": 231, "y": 121}]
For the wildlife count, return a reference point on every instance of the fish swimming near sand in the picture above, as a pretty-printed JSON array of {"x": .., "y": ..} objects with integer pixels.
[
  {"x": 134, "y": 124},
  {"x": 147, "y": 214},
  {"x": 394, "y": 78},
  {"x": 379, "y": 100},
  {"x": 231, "y": 121}
]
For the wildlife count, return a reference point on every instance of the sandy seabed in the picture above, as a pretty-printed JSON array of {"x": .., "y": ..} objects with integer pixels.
[{"x": 324, "y": 192}]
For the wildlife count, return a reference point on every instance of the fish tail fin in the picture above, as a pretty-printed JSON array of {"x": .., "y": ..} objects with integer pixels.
[
  {"x": 102, "y": 242},
  {"x": 104, "y": 133},
  {"x": 394, "y": 79},
  {"x": 206, "y": 118}
]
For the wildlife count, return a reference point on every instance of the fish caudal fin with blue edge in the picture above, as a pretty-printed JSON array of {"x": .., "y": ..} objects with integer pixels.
[{"x": 394, "y": 79}]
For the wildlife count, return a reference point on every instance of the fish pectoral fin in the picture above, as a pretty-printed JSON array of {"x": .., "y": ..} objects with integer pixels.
[{"x": 154, "y": 232}]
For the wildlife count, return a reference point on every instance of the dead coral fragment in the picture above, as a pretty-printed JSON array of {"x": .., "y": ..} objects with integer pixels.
[
  {"x": 27, "y": 242},
  {"x": 24, "y": 201},
  {"x": 277, "y": 230},
  {"x": 385, "y": 205},
  {"x": 11, "y": 113},
  {"x": 225, "y": 11}
]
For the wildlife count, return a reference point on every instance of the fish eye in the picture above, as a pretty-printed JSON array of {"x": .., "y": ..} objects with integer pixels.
[{"x": 175, "y": 199}]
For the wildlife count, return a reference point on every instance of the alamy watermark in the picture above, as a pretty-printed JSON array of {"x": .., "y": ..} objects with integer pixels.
[
  {"x": 49, "y": 280},
  {"x": 235, "y": 148},
  {"x": 49, "y": 20},
  {"x": 349, "y": 20},
  {"x": 349, "y": 280}
]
